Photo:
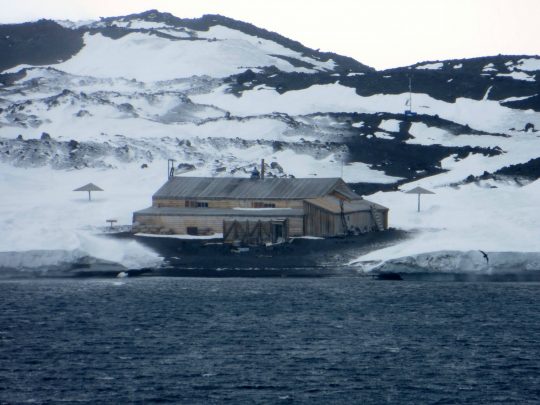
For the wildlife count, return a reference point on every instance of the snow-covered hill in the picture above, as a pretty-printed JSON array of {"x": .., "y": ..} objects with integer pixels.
[{"x": 110, "y": 101}]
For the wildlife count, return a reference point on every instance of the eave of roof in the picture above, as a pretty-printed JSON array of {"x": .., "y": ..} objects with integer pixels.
[
  {"x": 222, "y": 212},
  {"x": 332, "y": 204}
]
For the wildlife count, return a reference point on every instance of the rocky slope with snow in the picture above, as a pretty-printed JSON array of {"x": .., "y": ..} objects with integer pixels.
[{"x": 110, "y": 101}]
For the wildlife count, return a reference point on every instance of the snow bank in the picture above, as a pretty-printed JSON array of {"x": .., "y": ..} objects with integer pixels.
[
  {"x": 468, "y": 218},
  {"x": 473, "y": 261},
  {"x": 36, "y": 259},
  {"x": 40, "y": 212}
]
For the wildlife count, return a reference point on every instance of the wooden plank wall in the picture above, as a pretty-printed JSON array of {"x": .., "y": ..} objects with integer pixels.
[
  {"x": 319, "y": 222},
  {"x": 207, "y": 225}
]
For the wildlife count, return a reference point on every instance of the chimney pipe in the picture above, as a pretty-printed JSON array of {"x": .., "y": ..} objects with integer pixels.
[
  {"x": 170, "y": 168},
  {"x": 262, "y": 169}
]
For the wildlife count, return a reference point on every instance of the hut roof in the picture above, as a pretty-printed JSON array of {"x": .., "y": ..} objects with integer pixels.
[
  {"x": 89, "y": 187},
  {"x": 244, "y": 188},
  {"x": 332, "y": 204},
  {"x": 419, "y": 190}
]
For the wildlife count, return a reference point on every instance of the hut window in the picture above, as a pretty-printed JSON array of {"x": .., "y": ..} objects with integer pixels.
[
  {"x": 196, "y": 204},
  {"x": 258, "y": 204}
]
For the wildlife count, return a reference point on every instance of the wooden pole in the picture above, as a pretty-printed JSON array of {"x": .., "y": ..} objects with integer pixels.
[
  {"x": 418, "y": 202},
  {"x": 89, "y": 197}
]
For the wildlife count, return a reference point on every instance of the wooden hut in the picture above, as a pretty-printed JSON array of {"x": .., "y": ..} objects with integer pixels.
[{"x": 257, "y": 211}]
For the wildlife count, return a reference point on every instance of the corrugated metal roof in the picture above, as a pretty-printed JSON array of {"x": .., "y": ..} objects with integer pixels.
[
  {"x": 205, "y": 212},
  {"x": 332, "y": 204},
  {"x": 243, "y": 188}
]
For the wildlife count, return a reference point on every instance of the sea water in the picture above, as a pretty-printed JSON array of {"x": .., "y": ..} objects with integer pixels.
[{"x": 333, "y": 340}]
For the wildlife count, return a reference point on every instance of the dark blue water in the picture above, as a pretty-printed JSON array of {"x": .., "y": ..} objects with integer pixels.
[{"x": 200, "y": 341}]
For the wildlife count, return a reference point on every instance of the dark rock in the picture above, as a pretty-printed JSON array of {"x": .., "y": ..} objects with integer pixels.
[
  {"x": 83, "y": 113},
  {"x": 247, "y": 76},
  {"x": 37, "y": 43},
  {"x": 185, "y": 167}
]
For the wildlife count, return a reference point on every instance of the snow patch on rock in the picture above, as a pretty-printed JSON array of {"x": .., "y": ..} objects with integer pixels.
[{"x": 431, "y": 66}]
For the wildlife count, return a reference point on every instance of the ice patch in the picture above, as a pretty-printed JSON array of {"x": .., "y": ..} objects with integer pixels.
[
  {"x": 383, "y": 135},
  {"x": 391, "y": 125},
  {"x": 490, "y": 67},
  {"x": 529, "y": 65},
  {"x": 518, "y": 76},
  {"x": 431, "y": 66}
]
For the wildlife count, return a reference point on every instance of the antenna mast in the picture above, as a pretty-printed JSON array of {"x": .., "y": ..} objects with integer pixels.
[
  {"x": 409, "y": 111},
  {"x": 410, "y": 93}
]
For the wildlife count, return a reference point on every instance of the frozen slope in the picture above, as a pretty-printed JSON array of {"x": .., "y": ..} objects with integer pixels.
[
  {"x": 153, "y": 58},
  {"x": 142, "y": 47}
]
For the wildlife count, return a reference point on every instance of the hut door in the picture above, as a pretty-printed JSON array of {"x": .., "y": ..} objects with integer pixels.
[{"x": 277, "y": 231}]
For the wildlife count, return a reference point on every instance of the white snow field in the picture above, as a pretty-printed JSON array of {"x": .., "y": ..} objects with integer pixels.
[{"x": 153, "y": 58}]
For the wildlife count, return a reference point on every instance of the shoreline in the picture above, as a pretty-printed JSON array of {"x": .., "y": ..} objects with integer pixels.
[{"x": 298, "y": 258}]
